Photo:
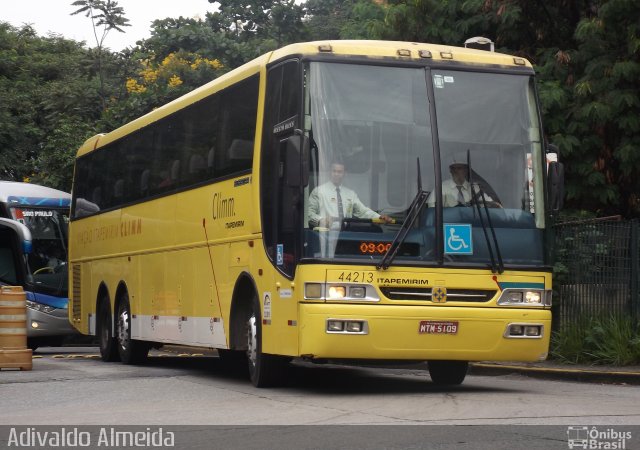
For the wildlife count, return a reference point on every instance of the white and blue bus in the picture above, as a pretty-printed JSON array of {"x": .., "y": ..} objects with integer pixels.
[{"x": 33, "y": 254}]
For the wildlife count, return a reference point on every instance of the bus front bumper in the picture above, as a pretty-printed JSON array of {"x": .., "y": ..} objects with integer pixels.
[
  {"x": 44, "y": 324},
  {"x": 421, "y": 332}
]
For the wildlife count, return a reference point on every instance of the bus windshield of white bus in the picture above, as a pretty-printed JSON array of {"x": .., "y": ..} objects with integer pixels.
[
  {"x": 374, "y": 132},
  {"x": 47, "y": 262}
]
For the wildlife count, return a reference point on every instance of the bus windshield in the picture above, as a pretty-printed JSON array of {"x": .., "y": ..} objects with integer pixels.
[
  {"x": 47, "y": 262},
  {"x": 372, "y": 136}
]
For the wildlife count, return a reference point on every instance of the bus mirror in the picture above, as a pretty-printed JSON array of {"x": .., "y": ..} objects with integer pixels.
[
  {"x": 553, "y": 148},
  {"x": 555, "y": 185},
  {"x": 297, "y": 160},
  {"x": 21, "y": 231}
]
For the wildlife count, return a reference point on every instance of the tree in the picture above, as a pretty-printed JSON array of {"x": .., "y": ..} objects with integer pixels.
[
  {"x": 335, "y": 19},
  {"x": 46, "y": 88},
  {"x": 271, "y": 22},
  {"x": 158, "y": 82},
  {"x": 587, "y": 55},
  {"x": 108, "y": 16}
]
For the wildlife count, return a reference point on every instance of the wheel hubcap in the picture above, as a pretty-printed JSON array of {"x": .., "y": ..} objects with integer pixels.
[
  {"x": 252, "y": 341},
  {"x": 123, "y": 329}
]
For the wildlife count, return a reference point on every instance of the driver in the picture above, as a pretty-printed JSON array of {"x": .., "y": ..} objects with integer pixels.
[
  {"x": 331, "y": 202},
  {"x": 456, "y": 191}
]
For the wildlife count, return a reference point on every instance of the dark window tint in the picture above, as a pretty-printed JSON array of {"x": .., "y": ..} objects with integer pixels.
[
  {"x": 8, "y": 273},
  {"x": 238, "y": 128},
  {"x": 211, "y": 139},
  {"x": 279, "y": 215}
]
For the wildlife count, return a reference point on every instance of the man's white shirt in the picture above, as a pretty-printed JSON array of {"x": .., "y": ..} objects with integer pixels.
[
  {"x": 450, "y": 194},
  {"x": 323, "y": 202}
]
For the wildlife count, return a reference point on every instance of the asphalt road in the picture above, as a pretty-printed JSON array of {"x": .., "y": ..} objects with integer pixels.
[{"x": 72, "y": 386}]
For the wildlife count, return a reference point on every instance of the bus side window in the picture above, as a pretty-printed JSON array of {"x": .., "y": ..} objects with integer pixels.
[
  {"x": 96, "y": 196},
  {"x": 281, "y": 206},
  {"x": 7, "y": 262},
  {"x": 118, "y": 190},
  {"x": 144, "y": 183},
  {"x": 240, "y": 153},
  {"x": 211, "y": 160},
  {"x": 197, "y": 170}
]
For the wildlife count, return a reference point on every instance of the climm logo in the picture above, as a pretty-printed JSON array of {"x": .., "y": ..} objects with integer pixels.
[
  {"x": 223, "y": 207},
  {"x": 130, "y": 227}
]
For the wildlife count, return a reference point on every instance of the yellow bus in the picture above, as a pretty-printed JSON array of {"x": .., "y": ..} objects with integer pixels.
[{"x": 211, "y": 221}]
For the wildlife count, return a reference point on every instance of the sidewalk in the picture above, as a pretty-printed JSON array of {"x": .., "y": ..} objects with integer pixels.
[{"x": 560, "y": 371}]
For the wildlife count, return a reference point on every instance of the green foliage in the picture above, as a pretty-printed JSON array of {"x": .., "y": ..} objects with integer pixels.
[
  {"x": 103, "y": 14},
  {"x": 45, "y": 84},
  {"x": 330, "y": 19},
  {"x": 159, "y": 82},
  {"x": 107, "y": 15},
  {"x": 586, "y": 54},
  {"x": 607, "y": 340},
  {"x": 55, "y": 162}
]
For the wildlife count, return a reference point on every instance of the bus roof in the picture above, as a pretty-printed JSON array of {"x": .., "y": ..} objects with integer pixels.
[
  {"x": 376, "y": 50},
  {"x": 25, "y": 194},
  {"x": 401, "y": 51}
]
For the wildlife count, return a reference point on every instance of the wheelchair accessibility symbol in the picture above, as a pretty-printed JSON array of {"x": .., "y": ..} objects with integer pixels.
[{"x": 457, "y": 239}]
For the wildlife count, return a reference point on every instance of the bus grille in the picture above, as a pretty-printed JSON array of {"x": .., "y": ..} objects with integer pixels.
[
  {"x": 77, "y": 293},
  {"x": 424, "y": 294}
]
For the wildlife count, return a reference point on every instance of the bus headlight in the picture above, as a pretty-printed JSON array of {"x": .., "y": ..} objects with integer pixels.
[
  {"x": 342, "y": 292},
  {"x": 532, "y": 297},
  {"x": 347, "y": 326},
  {"x": 525, "y": 297},
  {"x": 354, "y": 326},
  {"x": 313, "y": 290},
  {"x": 524, "y": 331},
  {"x": 514, "y": 297},
  {"x": 40, "y": 307},
  {"x": 337, "y": 292}
]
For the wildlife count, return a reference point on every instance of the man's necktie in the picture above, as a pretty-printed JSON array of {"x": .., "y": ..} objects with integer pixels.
[
  {"x": 339, "y": 198},
  {"x": 460, "y": 196}
]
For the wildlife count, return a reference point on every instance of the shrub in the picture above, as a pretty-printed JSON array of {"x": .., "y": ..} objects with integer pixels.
[{"x": 604, "y": 340}]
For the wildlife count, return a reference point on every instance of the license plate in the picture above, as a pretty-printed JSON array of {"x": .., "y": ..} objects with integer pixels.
[{"x": 437, "y": 327}]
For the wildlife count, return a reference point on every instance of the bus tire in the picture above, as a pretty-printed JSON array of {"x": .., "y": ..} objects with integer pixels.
[
  {"x": 448, "y": 373},
  {"x": 264, "y": 370},
  {"x": 131, "y": 351},
  {"x": 108, "y": 350},
  {"x": 33, "y": 344},
  {"x": 234, "y": 360}
]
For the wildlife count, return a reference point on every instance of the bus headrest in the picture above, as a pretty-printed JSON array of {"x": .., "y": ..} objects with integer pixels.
[
  {"x": 241, "y": 149},
  {"x": 118, "y": 188},
  {"x": 144, "y": 180},
  {"x": 175, "y": 170},
  {"x": 196, "y": 163}
]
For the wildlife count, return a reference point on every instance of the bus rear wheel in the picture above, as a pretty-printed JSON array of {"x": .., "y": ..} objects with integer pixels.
[
  {"x": 448, "y": 373},
  {"x": 108, "y": 350},
  {"x": 264, "y": 370},
  {"x": 130, "y": 350}
]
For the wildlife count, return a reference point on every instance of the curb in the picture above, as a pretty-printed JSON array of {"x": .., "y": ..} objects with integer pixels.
[{"x": 586, "y": 375}]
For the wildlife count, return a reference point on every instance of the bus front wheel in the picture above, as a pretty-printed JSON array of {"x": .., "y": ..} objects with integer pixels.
[
  {"x": 448, "y": 373},
  {"x": 108, "y": 350},
  {"x": 264, "y": 370}
]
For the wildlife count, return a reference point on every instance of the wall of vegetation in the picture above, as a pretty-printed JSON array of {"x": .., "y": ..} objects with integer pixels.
[{"x": 54, "y": 92}]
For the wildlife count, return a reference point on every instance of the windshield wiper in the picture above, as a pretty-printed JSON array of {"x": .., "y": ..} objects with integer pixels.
[
  {"x": 414, "y": 211},
  {"x": 474, "y": 196}
]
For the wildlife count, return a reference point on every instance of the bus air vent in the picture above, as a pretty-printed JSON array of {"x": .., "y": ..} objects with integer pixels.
[
  {"x": 77, "y": 293},
  {"x": 453, "y": 295}
]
